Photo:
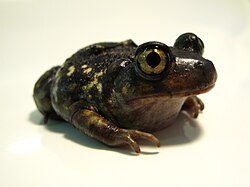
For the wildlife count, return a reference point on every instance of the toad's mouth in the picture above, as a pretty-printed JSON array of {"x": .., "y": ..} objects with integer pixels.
[
  {"x": 192, "y": 92},
  {"x": 176, "y": 94}
]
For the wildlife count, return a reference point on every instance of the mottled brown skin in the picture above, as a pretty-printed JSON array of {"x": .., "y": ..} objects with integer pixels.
[{"x": 119, "y": 92}]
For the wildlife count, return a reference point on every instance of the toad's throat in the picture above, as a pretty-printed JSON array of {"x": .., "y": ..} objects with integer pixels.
[{"x": 149, "y": 114}]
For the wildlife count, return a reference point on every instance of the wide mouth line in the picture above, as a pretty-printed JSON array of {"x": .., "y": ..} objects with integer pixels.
[{"x": 175, "y": 94}]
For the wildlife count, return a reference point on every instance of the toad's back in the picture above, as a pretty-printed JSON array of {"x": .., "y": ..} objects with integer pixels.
[{"x": 83, "y": 76}]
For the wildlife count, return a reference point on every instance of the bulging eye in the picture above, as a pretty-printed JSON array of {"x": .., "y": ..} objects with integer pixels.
[{"x": 152, "y": 60}]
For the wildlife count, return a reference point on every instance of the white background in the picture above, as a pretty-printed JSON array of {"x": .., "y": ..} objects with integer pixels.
[{"x": 213, "y": 150}]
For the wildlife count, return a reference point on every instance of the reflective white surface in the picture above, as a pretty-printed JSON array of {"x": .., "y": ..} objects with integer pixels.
[{"x": 213, "y": 150}]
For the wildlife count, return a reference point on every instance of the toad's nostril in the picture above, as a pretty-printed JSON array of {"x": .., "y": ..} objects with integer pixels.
[{"x": 199, "y": 64}]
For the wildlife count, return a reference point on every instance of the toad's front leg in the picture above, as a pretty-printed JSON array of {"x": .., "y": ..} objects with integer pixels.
[
  {"x": 193, "y": 105},
  {"x": 96, "y": 126}
]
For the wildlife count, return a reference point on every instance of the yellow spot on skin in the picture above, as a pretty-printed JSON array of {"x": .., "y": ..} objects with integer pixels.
[
  {"x": 71, "y": 70},
  {"x": 110, "y": 101},
  {"x": 95, "y": 82},
  {"x": 99, "y": 46},
  {"x": 87, "y": 70},
  {"x": 84, "y": 66},
  {"x": 98, "y": 74},
  {"x": 90, "y": 85},
  {"x": 99, "y": 87},
  {"x": 125, "y": 90},
  {"x": 125, "y": 42}
]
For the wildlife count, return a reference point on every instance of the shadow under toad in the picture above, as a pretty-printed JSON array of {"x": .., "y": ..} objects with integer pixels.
[{"x": 184, "y": 130}]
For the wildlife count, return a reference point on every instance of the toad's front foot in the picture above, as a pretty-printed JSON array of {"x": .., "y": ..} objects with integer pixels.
[
  {"x": 193, "y": 105},
  {"x": 96, "y": 126}
]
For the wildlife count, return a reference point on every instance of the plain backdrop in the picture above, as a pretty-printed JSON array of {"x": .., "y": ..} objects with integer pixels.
[{"x": 213, "y": 150}]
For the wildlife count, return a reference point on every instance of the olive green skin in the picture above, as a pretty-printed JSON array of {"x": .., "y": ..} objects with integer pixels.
[{"x": 100, "y": 92}]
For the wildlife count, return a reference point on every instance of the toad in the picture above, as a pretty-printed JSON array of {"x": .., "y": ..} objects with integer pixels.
[{"x": 118, "y": 92}]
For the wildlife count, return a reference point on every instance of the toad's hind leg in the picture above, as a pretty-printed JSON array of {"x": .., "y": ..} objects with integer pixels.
[
  {"x": 96, "y": 126},
  {"x": 41, "y": 94}
]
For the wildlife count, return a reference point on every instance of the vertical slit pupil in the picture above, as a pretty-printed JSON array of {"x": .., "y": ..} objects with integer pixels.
[{"x": 153, "y": 59}]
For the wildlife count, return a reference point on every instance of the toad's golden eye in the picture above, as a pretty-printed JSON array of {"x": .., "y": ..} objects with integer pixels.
[{"x": 153, "y": 59}]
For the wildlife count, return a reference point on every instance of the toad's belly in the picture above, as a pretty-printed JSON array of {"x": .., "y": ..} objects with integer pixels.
[{"x": 149, "y": 114}]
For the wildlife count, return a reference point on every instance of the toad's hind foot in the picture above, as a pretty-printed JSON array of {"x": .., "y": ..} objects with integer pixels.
[
  {"x": 96, "y": 126},
  {"x": 193, "y": 106},
  {"x": 129, "y": 136}
]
